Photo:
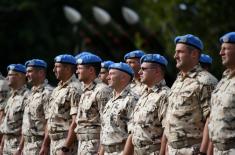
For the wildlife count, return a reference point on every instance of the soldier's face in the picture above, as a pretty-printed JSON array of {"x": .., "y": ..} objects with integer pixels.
[
  {"x": 183, "y": 56},
  {"x": 114, "y": 78},
  {"x": 32, "y": 75},
  {"x": 134, "y": 63},
  {"x": 103, "y": 75},
  {"x": 82, "y": 72},
  {"x": 13, "y": 78},
  {"x": 147, "y": 73},
  {"x": 59, "y": 70},
  {"x": 227, "y": 54}
]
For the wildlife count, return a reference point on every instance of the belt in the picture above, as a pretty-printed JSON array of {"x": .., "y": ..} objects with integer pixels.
[
  {"x": 58, "y": 136},
  {"x": 148, "y": 149},
  {"x": 10, "y": 136},
  {"x": 224, "y": 146},
  {"x": 31, "y": 139},
  {"x": 184, "y": 143},
  {"x": 86, "y": 137},
  {"x": 114, "y": 148}
]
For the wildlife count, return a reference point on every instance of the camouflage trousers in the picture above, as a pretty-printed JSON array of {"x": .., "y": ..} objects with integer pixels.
[
  {"x": 32, "y": 147},
  {"x": 113, "y": 153},
  {"x": 227, "y": 152},
  {"x": 11, "y": 143},
  {"x": 184, "y": 151},
  {"x": 56, "y": 145}
]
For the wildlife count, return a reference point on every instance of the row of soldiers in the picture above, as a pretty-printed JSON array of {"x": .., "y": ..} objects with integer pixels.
[{"x": 122, "y": 108}]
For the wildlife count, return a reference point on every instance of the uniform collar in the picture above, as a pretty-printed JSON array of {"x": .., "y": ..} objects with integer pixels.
[
  {"x": 156, "y": 87},
  {"x": 40, "y": 87},
  {"x": 19, "y": 91},
  {"x": 64, "y": 84},
  {"x": 92, "y": 84},
  {"x": 124, "y": 92},
  {"x": 192, "y": 73},
  {"x": 229, "y": 73}
]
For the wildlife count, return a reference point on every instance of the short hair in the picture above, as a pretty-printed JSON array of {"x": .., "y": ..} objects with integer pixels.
[{"x": 96, "y": 66}]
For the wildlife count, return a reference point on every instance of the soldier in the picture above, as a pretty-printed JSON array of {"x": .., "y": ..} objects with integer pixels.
[
  {"x": 222, "y": 117},
  {"x": 36, "y": 111},
  {"x": 133, "y": 59},
  {"x": 189, "y": 100},
  {"x": 12, "y": 123},
  {"x": 117, "y": 116},
  {"x": 205, "y": 61},
  {"x": 63, "y": 108},
  {"x": 93, "y": 99},
  {"x": 151, "y": 107},
  {"x": 104, "y": 72}
]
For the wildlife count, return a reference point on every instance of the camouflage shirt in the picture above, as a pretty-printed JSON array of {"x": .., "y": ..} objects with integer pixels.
[
  {"x": 117, "y": 120},
  {"x": 63, "y": 104},
  {"x": 36, "y": 112},
  {"x": 189, "y": 105},
  {"x": 222, "y": 118},
  {"x": 91, "y": 105},
  {"x": 148, "y": 115},
  {"x": 14, "y": 110}
]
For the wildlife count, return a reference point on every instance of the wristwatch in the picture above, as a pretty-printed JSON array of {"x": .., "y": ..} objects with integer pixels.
[{"x": 65, "y": 149}]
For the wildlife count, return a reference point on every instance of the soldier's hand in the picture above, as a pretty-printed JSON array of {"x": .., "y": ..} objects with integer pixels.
[{"x": 44, "y": 150}]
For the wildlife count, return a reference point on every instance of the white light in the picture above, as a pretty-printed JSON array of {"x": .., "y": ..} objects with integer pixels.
[
  {"x": 72, "y": 15},
  {"x": 183, "y": 6},
  {"x": 130, "y": 16},
  {"x": 101, "y": 15}
]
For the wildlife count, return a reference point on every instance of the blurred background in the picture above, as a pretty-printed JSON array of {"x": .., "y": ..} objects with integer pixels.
[{"x": 110, "y": 28}]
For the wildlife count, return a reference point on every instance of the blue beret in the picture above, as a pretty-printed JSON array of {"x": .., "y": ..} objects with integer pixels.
[
  {"x": 88, "y": 59},
  {"x": 36, "y": 63},
  {"x": 17, "y": 68},
  {"x": 204, "y": 58},
  {"x": 190, "y": 39},
  {"x": 123, "y": 67},
  {"x": 65, "y": 58},
  {"x": 134, "y": 54},
  {"x": 154, "y": 58},
  {"x": 228, "y": 38},
  {"x": 106, "y": 64},
  {"x": 81, "y": 54}
]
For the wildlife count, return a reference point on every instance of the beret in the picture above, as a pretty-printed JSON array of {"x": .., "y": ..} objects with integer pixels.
[
  {"x": 228, "y": 38},
  {"x": 106, "y": 64},
  {"x": 134, "y": 54},
  {"x": 204, "y": 58},
  {"x": 123, "y": 67},
  {"x": 154, "y": 58},
  {"x": 190, "y": 39},
  {"x": 17, "y": 68},
  {"x": 36, "y": 63},
  {"x": 88, "y": 59},
  {"x": 65, "y": 58},
  {"x": 81, "y": 54}
]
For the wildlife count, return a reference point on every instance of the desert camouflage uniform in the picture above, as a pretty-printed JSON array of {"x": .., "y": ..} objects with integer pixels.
[
  {"x": 137, "y": 87},
  {"x": 148, "y": 115},
  {"x": 188, "y": 109},
  {"x": 117, "y": 121},
  {"x": 91, "y": 105},
  {"x": 222, "y": 118},
  {"x": 12, "y": 123},
  {"x": 35, "y": 118},
  {"x": 4, "y": 93},
  {"x": 63, "y": 104}
]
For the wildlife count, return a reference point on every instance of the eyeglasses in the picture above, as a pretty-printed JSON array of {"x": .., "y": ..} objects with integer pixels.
[{"x": 145, "y": 68}]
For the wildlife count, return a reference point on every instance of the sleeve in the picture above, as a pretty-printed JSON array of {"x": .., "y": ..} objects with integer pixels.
[
  {"x": 205, "y": 97},
  {"x": 74, "y": 96},
  {"x": 130, "y": 114},
  {"x": 163, "y": 104},
  {"x": 46, "y": 104},
  {"x": 103, "y": 97}
]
